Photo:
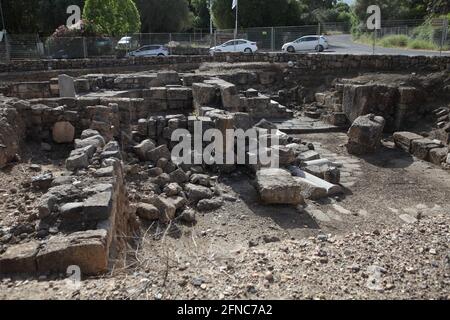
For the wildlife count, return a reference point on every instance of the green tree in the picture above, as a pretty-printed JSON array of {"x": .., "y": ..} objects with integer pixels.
[
  {"x": 53, "y": 13},
  {"x": 21, "y": 16},
  {"x": 438, "y": 7},
  {"x": 112, "y": 17},
  {"x": 200, "y": 9},
  {"x": 128, "y": 19},
  {"x": 393, "y": 9},
  {"x": 164, "y": 15},
  {"x": 257, "y": 13}
]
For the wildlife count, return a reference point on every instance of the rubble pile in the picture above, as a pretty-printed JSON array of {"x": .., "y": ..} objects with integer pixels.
[{"x": 83, "y": 216}]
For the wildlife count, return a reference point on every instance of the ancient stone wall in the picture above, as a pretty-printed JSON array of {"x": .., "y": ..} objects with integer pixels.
[{"x": 307, "y": 62}]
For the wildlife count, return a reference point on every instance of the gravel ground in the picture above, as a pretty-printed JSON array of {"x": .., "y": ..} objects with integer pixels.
[{"x": 386, "y": 238}]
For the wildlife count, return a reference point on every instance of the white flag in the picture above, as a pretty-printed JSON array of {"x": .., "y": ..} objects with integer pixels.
[{"x": 234, "y": 4}]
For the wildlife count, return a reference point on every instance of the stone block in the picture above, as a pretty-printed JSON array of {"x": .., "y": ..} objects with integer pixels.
[
  {"x": 403, "y": 140},
  {"x": 63, "y": 132},
  {"x": 421, "y": 148},
  {"x": 19, "y": 258},
  {"x": 87, "y": 249},
  {"x": 98, "y": 207},
  {"x": 179, "y": 93},
  {"x": 158, "y": 153},
  {"x": 66, "y": 86},
  {"x": 365, "y": 134},
  {"x": 438, "y": 155},
  {"x": 77, "y": 161},
  {"x": 277, "y": 186}
]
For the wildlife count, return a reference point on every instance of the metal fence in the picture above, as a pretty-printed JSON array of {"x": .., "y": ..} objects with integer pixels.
[
  {"x": 273, "y": 38},
  {"x": 267, "y": 38},
  {"x": 20, "y": 47},
  {"x": 416, "y": 34}
]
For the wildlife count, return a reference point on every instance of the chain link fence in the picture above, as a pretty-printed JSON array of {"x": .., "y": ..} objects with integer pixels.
[
  {"x": 273, "y": 38},
  {"x": 409, "y": 34}
]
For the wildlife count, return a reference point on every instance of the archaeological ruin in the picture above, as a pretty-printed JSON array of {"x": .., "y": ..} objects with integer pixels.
[{"x": 88, "y": 173}]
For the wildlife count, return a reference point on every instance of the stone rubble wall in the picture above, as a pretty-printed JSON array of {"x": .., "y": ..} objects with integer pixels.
[
  {"x": 92, "y": 214},
  {"x": 401, "y": 105},
  {"x": 307, "y": 62},
  {"x": 12, "y": 132},
  {"x": 423, "y": 148}
]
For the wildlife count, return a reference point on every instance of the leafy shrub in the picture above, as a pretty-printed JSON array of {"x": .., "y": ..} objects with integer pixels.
[
  {"x": 394, "y": 41},
  {"x": 422, "y": 44}
]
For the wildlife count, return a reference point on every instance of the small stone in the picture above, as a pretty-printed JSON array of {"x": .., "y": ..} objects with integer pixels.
[
  {"x": 147, "y": 211},
  {"x": 209, "y": 204},
  {"x": 46, "y": 147},
  {"x": 188, "y": 216},
  {"x": 35, "y": 167},
  {"x": 172, "y": 189},
  {"x": 269, "y": 276}
]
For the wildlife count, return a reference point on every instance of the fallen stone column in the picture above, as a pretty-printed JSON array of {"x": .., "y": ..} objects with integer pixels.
[{"x": 331, "y": 189}]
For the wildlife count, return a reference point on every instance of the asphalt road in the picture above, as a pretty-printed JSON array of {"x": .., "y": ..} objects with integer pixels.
[{"x": 343, "y": 44}]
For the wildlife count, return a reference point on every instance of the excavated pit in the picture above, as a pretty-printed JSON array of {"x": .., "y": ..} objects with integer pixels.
[{"x": 87, "y": 173}]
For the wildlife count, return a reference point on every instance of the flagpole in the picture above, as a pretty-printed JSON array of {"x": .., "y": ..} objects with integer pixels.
[{"x": 236, "y": 27}]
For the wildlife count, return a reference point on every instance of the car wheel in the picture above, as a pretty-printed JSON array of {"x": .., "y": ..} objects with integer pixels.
[
  {"x": 319, "y": 48},
  {"x": 248, "y": 51},
  {"x": 291, "y": 49},
  {"x": 161, "y": 55}
]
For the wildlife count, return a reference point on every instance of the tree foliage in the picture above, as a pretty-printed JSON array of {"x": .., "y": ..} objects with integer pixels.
[
  {"x": 112, "y": 17},
  {"x": 254, "y": 13},
  {"x": 21, "y": 16},
  {"x": 164, "y": 16},
  {"x": 200, "y": 9},
  {"x": 53, "y": 13},
  {"x": 394, "y": 9},
  {"x": 118, "y": 17}
]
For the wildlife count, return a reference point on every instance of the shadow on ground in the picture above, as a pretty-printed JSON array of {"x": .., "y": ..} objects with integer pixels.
[{"x": 285, "y": 216}]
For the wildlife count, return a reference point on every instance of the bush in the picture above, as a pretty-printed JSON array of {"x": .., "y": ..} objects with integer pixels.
[
  {"x": 424, "y": 32},
  {"x": 422, "y": 44},
  {"x": 394, "y": 41}
]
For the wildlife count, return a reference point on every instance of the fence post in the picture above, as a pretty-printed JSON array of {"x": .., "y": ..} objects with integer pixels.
[
  {"x": 374, "y": 40},
  {"x": 444, "y": 35},
  {"x": 85, "y": 52},
  {"x": 8, "y": 53},
  {"x": 272, "y": 38}
]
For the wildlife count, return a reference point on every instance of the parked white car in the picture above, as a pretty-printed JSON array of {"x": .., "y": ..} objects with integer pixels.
[
  {"x": 150, "y": 51},
  {"x": 238, "y": 45},
  {"x": 307, "y": 43},
  {"x": 127, "y": 43}
]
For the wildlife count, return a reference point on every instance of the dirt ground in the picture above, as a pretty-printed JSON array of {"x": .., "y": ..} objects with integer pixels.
[{"x": 387, "y": 237}]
